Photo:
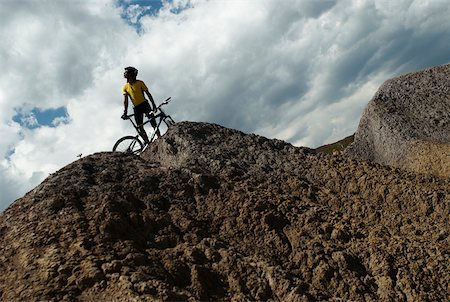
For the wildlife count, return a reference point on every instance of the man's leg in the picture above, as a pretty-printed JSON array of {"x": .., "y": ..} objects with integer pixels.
[
  {"x": 139, "y": 117},
  {"x": 144, "y": 134},
  {"x": 154, "y": 125}
]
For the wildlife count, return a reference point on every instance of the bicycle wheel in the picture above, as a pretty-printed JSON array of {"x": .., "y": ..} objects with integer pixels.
[
  {"x": 128, "y": 144},
  {"x": 167, "y": 119}
]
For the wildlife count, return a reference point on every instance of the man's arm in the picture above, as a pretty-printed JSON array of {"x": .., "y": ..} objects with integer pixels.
[
  {"x": 151, "y": 99},
  {"x": 125, "y": 105}
]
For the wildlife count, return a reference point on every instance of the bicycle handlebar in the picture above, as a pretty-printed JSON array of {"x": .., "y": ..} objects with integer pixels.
[{"x": 165, "y": 102}]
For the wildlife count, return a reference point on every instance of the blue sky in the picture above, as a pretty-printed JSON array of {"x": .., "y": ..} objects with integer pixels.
[
  {"x": 134, "y": 10},
  {"x": 297, "y": 70},
  {"x": 35, "y": 118}
]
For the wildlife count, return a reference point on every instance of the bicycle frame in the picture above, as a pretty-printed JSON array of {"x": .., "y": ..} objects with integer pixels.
[{"x": 162, "y": 118}]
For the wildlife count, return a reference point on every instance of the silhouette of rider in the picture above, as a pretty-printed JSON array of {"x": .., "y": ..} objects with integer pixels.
[{"x": 135, "y": 89}]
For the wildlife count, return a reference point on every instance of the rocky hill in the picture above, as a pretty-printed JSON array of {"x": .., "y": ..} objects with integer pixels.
[
  {"x": 407, "y": 123},
  {"x": 209, "y": 213}
]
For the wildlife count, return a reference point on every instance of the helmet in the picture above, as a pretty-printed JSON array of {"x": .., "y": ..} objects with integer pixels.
[{"x": 131, "y": 71}]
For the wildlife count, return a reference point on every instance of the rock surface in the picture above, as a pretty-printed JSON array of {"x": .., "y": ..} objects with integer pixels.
[
  {"x": 209, "y": 213},
  {"x": 407, "y": 123}
]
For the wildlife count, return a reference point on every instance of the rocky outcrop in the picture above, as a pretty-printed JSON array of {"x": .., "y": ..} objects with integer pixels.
[
  {"x": 209, "y": 213},
  {"x": 407, "y": 123}
]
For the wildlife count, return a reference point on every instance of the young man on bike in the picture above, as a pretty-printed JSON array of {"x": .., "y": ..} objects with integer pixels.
[{"x": 135, "y": 90}]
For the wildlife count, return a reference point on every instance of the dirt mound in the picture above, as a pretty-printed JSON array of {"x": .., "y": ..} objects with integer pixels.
[
  {"x": 407, "y": 123},
  {"x": 209, "y": 213}
]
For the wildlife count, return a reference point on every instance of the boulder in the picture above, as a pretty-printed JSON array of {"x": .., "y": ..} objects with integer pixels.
[
  {"x": 407, "y": 123},
  {"x": 208, "y": 213}
]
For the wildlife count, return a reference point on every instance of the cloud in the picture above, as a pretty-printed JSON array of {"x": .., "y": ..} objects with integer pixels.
[
  {"x": 52, "y": 54},
  {"x": 54, "y": 48},
  {"x": 297, "y": 70},
  {"x": 247, "y": 64}
]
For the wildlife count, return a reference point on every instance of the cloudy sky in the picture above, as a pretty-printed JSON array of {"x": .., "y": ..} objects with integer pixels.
[{"x": 296, "y": 70}]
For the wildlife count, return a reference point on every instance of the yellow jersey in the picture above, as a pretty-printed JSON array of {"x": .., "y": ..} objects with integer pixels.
[{"x": 135, "y": 91}]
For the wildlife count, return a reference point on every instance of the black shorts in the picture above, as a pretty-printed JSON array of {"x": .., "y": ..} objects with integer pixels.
[{"x": 140, "y": 110}]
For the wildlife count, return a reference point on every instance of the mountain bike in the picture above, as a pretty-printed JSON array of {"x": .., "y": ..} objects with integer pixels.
[{"x": 132, "y": 144}]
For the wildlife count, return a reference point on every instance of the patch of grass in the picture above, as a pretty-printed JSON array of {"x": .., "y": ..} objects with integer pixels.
[{"x": 338, "y": 146}]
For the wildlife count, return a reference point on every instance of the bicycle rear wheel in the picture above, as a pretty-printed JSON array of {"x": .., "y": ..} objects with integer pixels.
[{"x": 128, "y": 144}]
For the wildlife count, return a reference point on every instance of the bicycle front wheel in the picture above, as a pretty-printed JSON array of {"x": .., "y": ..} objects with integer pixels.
[
  {"x": 169, "y": 121},
  {"x": 128, "y": 144}
]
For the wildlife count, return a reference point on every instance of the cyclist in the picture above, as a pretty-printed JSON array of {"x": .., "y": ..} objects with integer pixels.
[{"x": 135, "y": 90}]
